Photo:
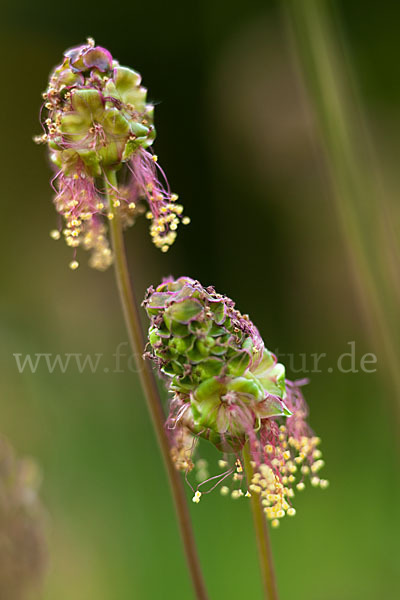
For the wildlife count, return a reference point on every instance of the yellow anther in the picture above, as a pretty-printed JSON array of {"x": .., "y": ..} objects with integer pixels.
[
  {"x": 236, "y": 494},
  {"x": 196, "y": 497},
  {"x": 116, "y": 203},
  {"x": 186, "y": 220},
  {"x": 269, "y": 449},
  {"x": 164, "y": 248},
  {"x": 315, "y": 481},
  {"x": 99, "y": 206},
  {"x": 291, "y": 511},
  {"x": 275, "y": 523},
  {"x": 239, "y": 467},
  {"x": 224, "y": 490},
  {"x": 247, "y": 494},
  {"x": 317, "y": 466},
  {"x": 73, "y": 265},
  {"x": 110, "y": 216},
  {"x": 255, "y": 488},
  {"x": 55, "y": 234},
  {"x": 131, "y": 206},
  {"x": 222, "y": 464},
  {"x": 286, "y": 455},
  {"x": 149, "y": 215},
  {"x": 324, "y": 483},
  {"x": 301, "y": 485},
  {"x": 154, "y": 158}
]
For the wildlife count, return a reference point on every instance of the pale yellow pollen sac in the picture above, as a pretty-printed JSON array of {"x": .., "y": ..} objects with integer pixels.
[
  {"x": 317, "y": 466},
  {"x": 237, "y": 477},
  {"x": 55, "y": 234},
  {"x": 186, "y": 220},
  {"x": 224, "y": 490},
  {"x": 222, "y": 463},
  {"x": 239, "y": 467},
  {"x": 269, "y": 449},
  {"x": 324, "y": 483},
  {"x": 100, "y": 206},
  {"x": 317, "y": 454},
  {"x": 174, "y": 197},
  {"x": 149, "y": 215},
  {"x": 154, "y": 158},
  {"x": 236, "y": 494},
  {"x": 315, "y": 481},
  {"x": 247, "y": 494},
  {"x": 305, "y": 469},
  {"x": 196, "y": 497},
  {"x": 110, "y": 216},
  {"x": 291, "y": 511},
  {"x": 300, "y": 486},
  {"x": 73, "y": 265},
  {"x": 255, "y": 488},
  {"x": 164, "y": 248},
  {"x": 116, "y": 203},
  {"x": 280, "y": 514},
  {"x": 275, "y": 523},
  {"x": 131, "y": 206},
  {"x": 286, "y": 455}
]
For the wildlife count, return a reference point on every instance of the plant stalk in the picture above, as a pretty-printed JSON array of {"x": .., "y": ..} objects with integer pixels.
[
  {"x": 262, "y": 535},
  {"x": 137, "y": 341}
]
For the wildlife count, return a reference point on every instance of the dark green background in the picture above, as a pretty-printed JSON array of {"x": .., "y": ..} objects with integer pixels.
[{"x": 237, "y": 139}]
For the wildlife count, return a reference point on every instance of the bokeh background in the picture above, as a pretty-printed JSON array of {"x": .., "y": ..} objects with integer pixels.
[{"x": 240, "y": 136}]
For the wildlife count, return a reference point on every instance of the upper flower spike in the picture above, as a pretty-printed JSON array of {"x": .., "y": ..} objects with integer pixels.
[
  {"x": 229, "y": 389},
  {"x": 98, "y": 120}
]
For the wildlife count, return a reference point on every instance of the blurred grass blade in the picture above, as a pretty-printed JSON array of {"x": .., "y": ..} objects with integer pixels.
[{"x": 367, "y": 225}]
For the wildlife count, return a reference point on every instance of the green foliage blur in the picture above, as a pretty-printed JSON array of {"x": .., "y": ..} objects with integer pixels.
[{"x": 238, "y": 140}]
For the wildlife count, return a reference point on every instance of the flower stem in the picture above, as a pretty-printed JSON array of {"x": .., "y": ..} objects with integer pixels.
[
  {"x": 262, "y": 535},
  {"x": 137, "y": 341}
]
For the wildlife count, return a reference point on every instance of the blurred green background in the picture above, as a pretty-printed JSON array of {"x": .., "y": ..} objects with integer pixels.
[{"x": 237, "y": 136}]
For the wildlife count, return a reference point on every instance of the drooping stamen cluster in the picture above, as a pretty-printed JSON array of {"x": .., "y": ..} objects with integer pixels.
[
  {"x": 98, "y": 120},
  {"x": 229, "y": 389}
]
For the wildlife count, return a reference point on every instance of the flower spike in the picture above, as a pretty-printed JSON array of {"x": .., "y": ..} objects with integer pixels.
[
  {"x": 228, "y": 388},
  {"x": 98, "y": 120}
]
